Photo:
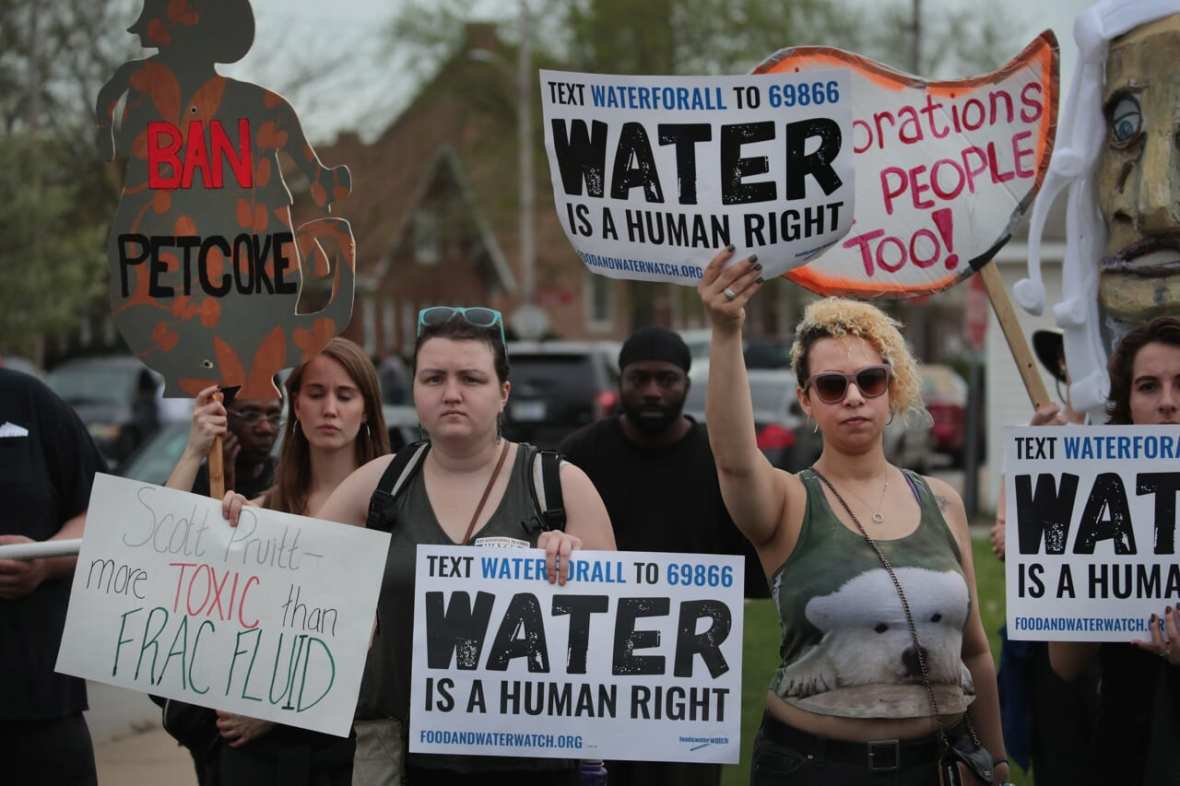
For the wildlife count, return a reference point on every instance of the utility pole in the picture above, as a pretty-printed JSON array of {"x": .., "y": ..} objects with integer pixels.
[
  {"x": 524, "y": 116},
  {"x": 916, "y": 28}
]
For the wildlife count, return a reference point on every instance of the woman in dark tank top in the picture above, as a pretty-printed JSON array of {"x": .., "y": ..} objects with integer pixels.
[
  {"x": 854, "y": 700},
  {"x": 472, "y": 484}
]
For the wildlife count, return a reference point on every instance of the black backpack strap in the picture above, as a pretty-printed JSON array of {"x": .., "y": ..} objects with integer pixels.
[
  {"x": 401, "y": 469},
  {"x": 546, "y": 488}
]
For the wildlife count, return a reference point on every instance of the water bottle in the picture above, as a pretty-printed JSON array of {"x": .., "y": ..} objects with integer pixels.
[{"x": 592, "y": 773}]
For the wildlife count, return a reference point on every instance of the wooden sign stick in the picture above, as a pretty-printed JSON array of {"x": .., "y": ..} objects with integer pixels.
[
  {"x": 993, "y": 282},
  {"x": 217, "y": 463}
]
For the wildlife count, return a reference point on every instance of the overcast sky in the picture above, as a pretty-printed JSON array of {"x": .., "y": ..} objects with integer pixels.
[{"x": 370, "y": 84}]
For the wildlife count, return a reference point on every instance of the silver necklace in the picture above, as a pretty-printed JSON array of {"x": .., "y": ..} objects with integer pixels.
[{"x": 878, "y": 517}]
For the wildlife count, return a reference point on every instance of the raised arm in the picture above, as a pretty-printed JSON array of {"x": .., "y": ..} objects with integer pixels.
[
  {"x": 328, "y": 185},
  {"x": 754, "y": 491},
  {"x": 104, "y": 109}
]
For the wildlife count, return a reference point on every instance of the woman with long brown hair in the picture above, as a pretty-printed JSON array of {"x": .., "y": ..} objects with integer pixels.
[{"x": 334, "y": 425}]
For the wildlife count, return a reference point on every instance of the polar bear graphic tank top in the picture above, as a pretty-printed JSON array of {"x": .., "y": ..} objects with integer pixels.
[{"x": 846, "y": 647}]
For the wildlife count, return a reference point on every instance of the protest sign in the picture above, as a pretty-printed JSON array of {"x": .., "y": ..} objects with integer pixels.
[
  {"x": 1091, "y": 529},
  {"x": 944, "y": 170},
  {"x": 271, "y": 619},
  {"x": 638, "y": 657},
  {"x": 211, "y": 283},
  {"x": 652, "y": 175}
]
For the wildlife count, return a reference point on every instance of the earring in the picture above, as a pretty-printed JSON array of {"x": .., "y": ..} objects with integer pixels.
[
  {"x": 499, "y": 426},
  {"x": 368, "y": 432},
  {"x": 815, "y": 425},
  {"x": 421, "y": 432},
  {"x": 892, "y": 415},
  {"x": 295, "y": 424}
]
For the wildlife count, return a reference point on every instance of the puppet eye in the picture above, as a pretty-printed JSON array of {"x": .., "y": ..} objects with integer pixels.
[
  {"x": 881, "y": 627},
  {"x": 1126, "y": 121},
  {"x": 207, "y": 363},
  {"x": 937, "y": 617}
]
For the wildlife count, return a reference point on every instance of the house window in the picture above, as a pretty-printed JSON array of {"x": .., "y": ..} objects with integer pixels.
[
  {"x": 427, "y": 237},
  {"x": 600, "y": 302}
]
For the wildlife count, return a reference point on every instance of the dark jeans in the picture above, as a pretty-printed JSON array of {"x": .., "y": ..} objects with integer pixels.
[
  {"x": 1063, "y": 714},
  {"x": 776, "y": 762},
  {"x": 48, "y": 752}
]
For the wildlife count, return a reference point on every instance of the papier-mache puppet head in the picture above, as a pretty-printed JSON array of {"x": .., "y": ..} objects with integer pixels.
[
  {"x": 1118, "y": 158},
  {"x": 166, "y": 24}
]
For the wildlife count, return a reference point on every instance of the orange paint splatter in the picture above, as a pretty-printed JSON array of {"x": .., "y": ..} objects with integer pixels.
[
  {"x": 229, "y": 365},
  {"x": 158, "y": 34},
  {"x": 245, "y": 213},
  {"x": 165, "y": 337},
  {"x": 161, "y": 202},
  {"x": 186, "y": 226},
  {"x": 340, "y": 193},
  {"x": 260, "y": 218},
  {"x": 312, "y": 341},
  {"x": 215, "y": 263},
  {"x": 271, "y": 100},
  {"x": 171, "y": 261},
  {"x": 210, "y": 312},
  {"x": 319, "y": 194},
  {"x": 192, "y": 385},
  {"x": 262, "y": 173},
  {"x": 268, "y": 360}
]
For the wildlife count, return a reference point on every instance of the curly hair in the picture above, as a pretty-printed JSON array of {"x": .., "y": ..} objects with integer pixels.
[
  {"x": 1161, "y": 330},
  {"x": 835, "y": 317}
]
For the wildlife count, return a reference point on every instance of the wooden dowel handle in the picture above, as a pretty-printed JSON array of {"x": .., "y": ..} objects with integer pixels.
[{"x": 993, "y": 282}]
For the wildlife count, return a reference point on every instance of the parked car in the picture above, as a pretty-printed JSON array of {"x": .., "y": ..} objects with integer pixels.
[
  {"x": 776, "y": 425},
  {"x": 155, "y": 459},
  {"x": 945, "y": 394},
  {"x": 558, "y": 387},
  {"x": 118, "y": 398},
  {"x": 23, "y": 365}
]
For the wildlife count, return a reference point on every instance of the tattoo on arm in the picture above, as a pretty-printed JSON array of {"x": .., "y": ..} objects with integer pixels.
[{"x": 942, "y": 502}]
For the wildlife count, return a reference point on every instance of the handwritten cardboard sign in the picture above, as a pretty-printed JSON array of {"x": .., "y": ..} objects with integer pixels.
[
  {"x": 652, "y": 175},
  {"x": 270, "y": 620},
  {"x": 211, "y": 283},
  {"x": 638, "y": 657},
  {"x": 944, "y": 170},
  {"x": 1091, "y": 531}
]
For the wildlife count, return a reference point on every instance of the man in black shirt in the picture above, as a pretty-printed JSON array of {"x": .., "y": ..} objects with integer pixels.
[
  {"x": 655, "y": 472},
  {"x": 48, "y": 462},
  {"x": 252, "y": 429}
]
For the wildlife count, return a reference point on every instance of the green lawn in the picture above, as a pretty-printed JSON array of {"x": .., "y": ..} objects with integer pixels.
[{"x": 760, "y": 655}]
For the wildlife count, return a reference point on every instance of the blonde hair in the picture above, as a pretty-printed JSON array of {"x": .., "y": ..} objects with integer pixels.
[{"x": 836, "y": 317}]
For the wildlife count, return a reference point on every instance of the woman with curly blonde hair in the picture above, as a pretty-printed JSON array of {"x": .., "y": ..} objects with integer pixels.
[{"x": 885, "y": 670}]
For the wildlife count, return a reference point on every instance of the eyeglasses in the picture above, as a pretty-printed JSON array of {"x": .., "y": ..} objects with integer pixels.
[
  {"x": 477, "y": 316},
  {"x": 253, "y": 416},
  {"x": 831, "y": 387}
]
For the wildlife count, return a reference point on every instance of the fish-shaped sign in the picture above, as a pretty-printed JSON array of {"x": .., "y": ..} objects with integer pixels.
[{"x": 944, "y": 170}]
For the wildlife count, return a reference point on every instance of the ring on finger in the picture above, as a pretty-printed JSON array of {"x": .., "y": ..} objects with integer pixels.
[{"x": 730, "y": 295}]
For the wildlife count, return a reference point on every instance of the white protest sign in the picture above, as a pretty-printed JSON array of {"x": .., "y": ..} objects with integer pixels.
[
  {"x": 652, "y": 175},
  {"x": 944, "y": 170},
  {"x": 638, "y": 657},
  {"x": 1091, "y": 531},
  {"x": 270, "y": 620}
]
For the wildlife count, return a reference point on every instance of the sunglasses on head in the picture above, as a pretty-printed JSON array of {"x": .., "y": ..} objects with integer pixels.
[
  {"x": 477, "y": 316},
  {"x": 831, "y": 387}
]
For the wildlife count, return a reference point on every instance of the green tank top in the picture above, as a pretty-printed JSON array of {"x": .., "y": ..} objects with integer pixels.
[
  {"x": 385, "y": 686},
  {"x": 846, "y": 646}
]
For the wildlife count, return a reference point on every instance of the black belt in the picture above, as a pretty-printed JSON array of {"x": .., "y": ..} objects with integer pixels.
[{"x": 878, "y": 755}]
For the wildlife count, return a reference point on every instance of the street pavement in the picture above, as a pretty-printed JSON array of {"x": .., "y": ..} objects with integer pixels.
[{"x": 130, "y": 746}]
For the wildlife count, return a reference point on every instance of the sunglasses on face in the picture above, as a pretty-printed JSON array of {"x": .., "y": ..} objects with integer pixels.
[
  {"x": 476, "y": 316},
  {"x": 831, "y": 387}
]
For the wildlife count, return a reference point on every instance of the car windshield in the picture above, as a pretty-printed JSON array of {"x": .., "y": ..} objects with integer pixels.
[
  {"x": 84, "y": 384},
  {"x": 155, "y": 460}
]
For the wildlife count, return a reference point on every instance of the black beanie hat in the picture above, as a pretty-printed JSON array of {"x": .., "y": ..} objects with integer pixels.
[{"x": 655, "y": 343}]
